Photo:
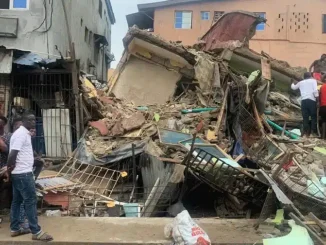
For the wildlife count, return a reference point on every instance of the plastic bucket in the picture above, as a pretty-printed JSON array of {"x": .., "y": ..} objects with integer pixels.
[{"x": 131, "y": 209}]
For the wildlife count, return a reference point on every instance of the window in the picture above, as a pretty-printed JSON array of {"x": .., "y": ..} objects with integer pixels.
[
  {"x": 100, "y": 8},
  {"x": 217, "y": 15},
  {"x": 90, "y": 38},
  {"x": 183, "y": 20},
  {"x": 324, "y": 23},
  {"x": 14, "y": 4},
  {"x": 205, "y": 15},
  {"x": 261, "y": 26},
  {"x": 86, "y": 37}
]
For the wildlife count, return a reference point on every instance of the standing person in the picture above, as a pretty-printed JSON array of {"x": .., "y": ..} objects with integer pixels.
[
  {"x": 4, "y": 142},
  {"x": 322, "y": 110},
  {"x": 317, "y": 67},
  {"x": 5, "y": 186},
  {"x": 20, "y": 165},
  {"x": 309, "y": 100}
]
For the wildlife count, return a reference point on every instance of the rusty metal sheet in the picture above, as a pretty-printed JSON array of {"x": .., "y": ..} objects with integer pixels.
[{"x": 231, "y": 27}]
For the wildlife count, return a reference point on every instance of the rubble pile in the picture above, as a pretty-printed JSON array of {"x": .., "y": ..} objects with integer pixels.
[
  {"x": 124, "y": 122},
  {"x": 229, "y": 132}
]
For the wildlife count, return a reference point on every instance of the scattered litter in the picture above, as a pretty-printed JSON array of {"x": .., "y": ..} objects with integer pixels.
[{"x": 184, "y": 230}]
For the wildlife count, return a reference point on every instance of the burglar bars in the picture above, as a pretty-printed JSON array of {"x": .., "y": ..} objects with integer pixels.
[
  {"x": 292, "y": 178},
  {"x": 220, "y": 175},
  {"x": 49, "y": 95},
  {"x": 89, "y": 180}
]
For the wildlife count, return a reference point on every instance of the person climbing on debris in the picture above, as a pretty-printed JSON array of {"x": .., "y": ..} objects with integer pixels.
[
  {"x": 318, "y": 68},
  {"x": 20, "y": 170},
  {"x": 309, "y": 101}
]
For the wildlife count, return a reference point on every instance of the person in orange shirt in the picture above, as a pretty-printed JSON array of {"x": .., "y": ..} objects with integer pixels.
[{"x": 322, "y": 109}]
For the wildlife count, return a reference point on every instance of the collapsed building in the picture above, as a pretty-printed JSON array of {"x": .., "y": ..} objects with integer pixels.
[{"x": 213, "y": 128}]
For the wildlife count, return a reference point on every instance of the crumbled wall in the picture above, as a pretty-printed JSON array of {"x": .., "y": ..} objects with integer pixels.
[{"x": 145, "y": 83}]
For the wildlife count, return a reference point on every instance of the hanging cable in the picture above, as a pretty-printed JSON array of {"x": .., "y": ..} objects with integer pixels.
[
  {"x": 51, "y": 15},
  {"x": 45, "y": 17}
]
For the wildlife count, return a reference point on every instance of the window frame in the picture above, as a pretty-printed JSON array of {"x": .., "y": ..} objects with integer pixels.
[
  {"x": 175, "y": 19},
  {"x": 100, "y": 8},
  {"x": 221, "y": 13},
  {"x": 323, "y": 23},
  {"x": 86, "y": 35},
  {"x": 11, "y": 5},
  {"x": 205, "y": 12},
  {"x": 261, "y": 24}
]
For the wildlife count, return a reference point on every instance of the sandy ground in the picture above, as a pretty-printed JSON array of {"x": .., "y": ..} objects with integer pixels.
[{"x": 132, "y": 231}]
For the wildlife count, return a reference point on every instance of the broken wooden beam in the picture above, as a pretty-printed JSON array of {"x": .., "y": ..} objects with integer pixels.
[
  {"x": 310, "y": 231},
  {"x": 221, "y": 114}
]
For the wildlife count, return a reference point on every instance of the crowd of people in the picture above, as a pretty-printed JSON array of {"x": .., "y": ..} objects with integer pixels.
[
  {"x": 19, "y": 168},
  {"x": 313, "y": 98}
]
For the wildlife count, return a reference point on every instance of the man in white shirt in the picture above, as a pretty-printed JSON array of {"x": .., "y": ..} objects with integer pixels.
[
  {"x": 309, "y": 100},
  {"x": 20, "y": 165}
]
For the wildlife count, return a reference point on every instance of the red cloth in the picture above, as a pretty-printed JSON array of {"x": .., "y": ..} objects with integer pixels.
[
  {"x": 287, "y": 166},
  {"x": 323, "y": 95},
  {"x": 317, "y": 76}
]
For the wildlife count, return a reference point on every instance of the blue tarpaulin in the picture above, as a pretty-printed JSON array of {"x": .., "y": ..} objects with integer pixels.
[{"x": 34, "y": 60}]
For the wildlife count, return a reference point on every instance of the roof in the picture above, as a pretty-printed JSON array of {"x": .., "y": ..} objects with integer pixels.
[
  {"x": 110, "y": 11},
  {"x": 168, "y": 3},
  {"x": 232, "y": 26},
  {"x": 140, "y": 19},
  {"x": 179, "y": 50}
]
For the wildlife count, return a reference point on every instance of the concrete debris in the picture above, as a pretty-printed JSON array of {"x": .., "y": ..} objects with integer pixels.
[
  {"x": 239, "y": 116},
  {"x": 134, "y": 121},
  {"x": 172, "y": 114}
]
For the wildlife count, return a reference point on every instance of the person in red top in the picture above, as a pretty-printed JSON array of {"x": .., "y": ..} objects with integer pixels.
[{"x": 322, "y": 109}]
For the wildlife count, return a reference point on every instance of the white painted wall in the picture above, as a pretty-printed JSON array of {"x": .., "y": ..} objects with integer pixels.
[{"x": 81, "y": 14}]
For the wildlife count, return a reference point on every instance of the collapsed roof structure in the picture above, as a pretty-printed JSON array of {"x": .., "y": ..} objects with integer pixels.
[{"x": 216, "y": 115}]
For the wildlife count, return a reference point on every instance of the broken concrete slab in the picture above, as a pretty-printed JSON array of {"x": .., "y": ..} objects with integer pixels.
[
  {"x": 134, "y": 121},
  {"x": 117, "y": 129}
]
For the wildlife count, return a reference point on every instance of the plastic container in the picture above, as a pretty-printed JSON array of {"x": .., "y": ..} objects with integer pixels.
[{"x": 131, "y": 209}]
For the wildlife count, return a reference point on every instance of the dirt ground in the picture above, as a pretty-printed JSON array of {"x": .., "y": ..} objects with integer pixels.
[{"x": 132, "y": 231}]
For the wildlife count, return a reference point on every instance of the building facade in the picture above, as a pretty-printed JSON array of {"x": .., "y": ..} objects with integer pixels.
[
  {"x": 295, "y": 30},
  {"x": 41, "y": 27}
]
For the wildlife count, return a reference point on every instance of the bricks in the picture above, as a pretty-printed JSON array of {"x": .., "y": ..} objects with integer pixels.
[{"x": 100, "y": 126}]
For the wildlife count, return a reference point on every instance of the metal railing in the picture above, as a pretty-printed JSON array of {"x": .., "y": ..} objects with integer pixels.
[{"x": 220, "y": 175}]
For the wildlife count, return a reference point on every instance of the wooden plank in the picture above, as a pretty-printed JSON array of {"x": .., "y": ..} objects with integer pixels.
[
  {"x": 278, "y": 192},
  {"x": 317, "y": 221},
  {"x": 221, "y": 114},
  {"x": 149, "y": 200},
  {"x": 266, "y": 68},
  {"x": 239, "y": 158},
  {"x": 311, "y": 232},
  {"x": 169, "y": 160},
  {"x": 257, "y": 117}
]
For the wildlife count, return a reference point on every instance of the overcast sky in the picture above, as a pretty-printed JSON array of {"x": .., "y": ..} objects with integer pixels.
[{"x": 122, "y": 8}]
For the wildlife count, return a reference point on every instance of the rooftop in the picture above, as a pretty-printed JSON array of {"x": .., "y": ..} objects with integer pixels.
[
  {"x": 168, "y": 3},
  {"x": 110, "y": 11}
]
